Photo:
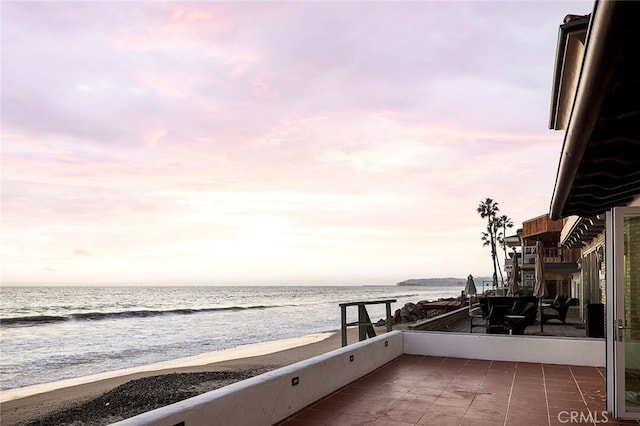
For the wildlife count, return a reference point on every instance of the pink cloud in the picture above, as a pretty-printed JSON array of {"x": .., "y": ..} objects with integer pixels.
[{"x": 146, "y": 132}]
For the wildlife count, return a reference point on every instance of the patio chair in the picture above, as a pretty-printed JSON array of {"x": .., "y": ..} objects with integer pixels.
[
  {"x": 475, "y": 313},
  {"x": 495, "y": 321},
  {"x": 525, "y": 314},
  {"x": 483, "y": 302},
  {"x": 561, "y": 311}
]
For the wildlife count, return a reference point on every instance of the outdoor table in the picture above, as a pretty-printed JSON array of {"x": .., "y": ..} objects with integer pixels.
[
  {"x": 542, "y": 306},
  {"x": 513, "y": 318}
]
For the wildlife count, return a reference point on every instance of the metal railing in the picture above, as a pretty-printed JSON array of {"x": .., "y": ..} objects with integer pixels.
[{"x": 365, "y": 326}]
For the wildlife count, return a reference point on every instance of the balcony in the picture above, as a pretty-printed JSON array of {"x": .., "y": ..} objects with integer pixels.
[
  {"x": 435, "y": 390},
  {"x": 413, "y": 377},
  {"x": 542, "y": 228}
]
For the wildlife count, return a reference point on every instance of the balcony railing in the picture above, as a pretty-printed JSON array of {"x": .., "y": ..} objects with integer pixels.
[{"x": 551, "y": 255}]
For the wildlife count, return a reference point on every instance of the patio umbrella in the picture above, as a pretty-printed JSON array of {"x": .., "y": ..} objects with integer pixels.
[
  {"x": 514, "y": 279},
  {"x": 540, "y": 289},
  {"x": 470, "y": 286}
]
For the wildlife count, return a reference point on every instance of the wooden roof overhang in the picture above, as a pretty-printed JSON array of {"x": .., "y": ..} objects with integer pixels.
[{"x": 583, "y": 230}]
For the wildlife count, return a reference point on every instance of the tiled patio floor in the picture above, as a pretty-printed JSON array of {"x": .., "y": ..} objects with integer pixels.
[{"x": 421, "y": 390}]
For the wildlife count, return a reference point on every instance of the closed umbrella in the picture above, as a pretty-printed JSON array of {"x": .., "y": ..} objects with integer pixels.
[
  {"x": 470, "y": 286},
  {"x": 514, "y": 280},
  {"x": 540, "y": 289}
]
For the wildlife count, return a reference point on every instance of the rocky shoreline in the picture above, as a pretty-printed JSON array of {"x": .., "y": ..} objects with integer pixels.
[
  {"x": 424, "y": 309},
  {"x": 141, "y": 395}
]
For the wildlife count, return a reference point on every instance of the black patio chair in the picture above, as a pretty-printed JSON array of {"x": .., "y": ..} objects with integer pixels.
[
  {"x": 476, "y": 313},
  {"x": 561, "y": 311},
  {"x": 519, "y": 319},
  {"x": 495, "y": 320}
]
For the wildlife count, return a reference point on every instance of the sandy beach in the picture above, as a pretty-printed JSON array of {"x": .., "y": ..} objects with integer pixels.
[{"x": 109, "y": 397}]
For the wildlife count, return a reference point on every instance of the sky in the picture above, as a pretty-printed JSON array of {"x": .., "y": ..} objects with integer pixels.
[{"x": 266, "y": 143}]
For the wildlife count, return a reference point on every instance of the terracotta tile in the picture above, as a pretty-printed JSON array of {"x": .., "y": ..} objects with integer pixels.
[
  {"x": 493, "y": 390},
  {"x": 393, "y": 387},
  {"x": 536, "y": 373},
  {"x": 483, "y": 407},
  {"x": 453, "y": 402},
  {"x": 479, "y": 363},
  {"x": 390, "y": 422},
  {"x": 569, "y": 382},
  {"x": 416, "y": 406},
  {"x": 592, "y": 390},
  {"x": 317, "y": 416},
  {"x": 446, "y": 410},
  {"x": 529, "y": 399},
  {"x": 532, "y": 420},
  {"x": 534, "y": 383},
  {"x": 406, "y": 382},
  {"x": 460, "y": 394},
  {"x": 527, "y": 409},
  {"x": 330, "y": 404},
  {"x": 476, "y": 422},
  {"x": 459, "y": 384},
  {"x": 418, "y": 399},
  {"x": 574, "y": 407},
  {"x": 558, "y": 392},
  {"x": 351, "y": 420},
  {"x": 370, "y": 408},
  {"x": 297, "y": 422},
  {"x": 564, "y": 387},
  {"x": 382, "y": 394},
  {"x": 485, "y": 416},
  {"x": 440, "y": 420},
  {"x": 492, "y": 400},
  {"x": 426, "y": 390},
  {"x": 403, "y": 415},
  {"x": 346, "y": 397},
  {"x": 529, "y": 396}
]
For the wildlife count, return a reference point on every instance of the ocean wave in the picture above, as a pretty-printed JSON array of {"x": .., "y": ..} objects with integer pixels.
[
  {"x": 97, "y": 316},
  {"x": 34, "y": 320}
]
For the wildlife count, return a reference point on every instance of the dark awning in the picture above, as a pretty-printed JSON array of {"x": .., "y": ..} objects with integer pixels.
[
  {"x": 600, "y": 160},
  {"x": 561, "y": 267}
]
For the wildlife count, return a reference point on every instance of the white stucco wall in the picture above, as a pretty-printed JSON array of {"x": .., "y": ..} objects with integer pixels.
[
  {"x": 271, "y": 397},
  {"x": 539, "y": 349}
]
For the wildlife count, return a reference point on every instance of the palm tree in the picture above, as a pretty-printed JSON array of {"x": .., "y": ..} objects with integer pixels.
[
  {"x": 488, "y": 209},
  {"x": 506, "y": 222}
]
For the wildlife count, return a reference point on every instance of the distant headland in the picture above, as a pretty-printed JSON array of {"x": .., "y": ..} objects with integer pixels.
[{"x": 441, "y": 281}]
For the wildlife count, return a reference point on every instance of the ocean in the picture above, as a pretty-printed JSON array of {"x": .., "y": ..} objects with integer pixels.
[{"x": 54, "y": 333}]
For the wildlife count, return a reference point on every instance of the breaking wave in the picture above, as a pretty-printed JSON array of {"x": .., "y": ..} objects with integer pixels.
[{"x": 97, "y": 316}]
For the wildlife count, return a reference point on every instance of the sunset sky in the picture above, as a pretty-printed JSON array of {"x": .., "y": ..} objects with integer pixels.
[{"x": 271, "y": 142}]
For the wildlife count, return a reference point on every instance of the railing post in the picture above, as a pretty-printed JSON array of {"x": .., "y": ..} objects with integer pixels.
[
  {"x": 365, "y": 326},
  {"x": 343, "y": 327},
  {"x": 362, "y": 321},
  {"x": 388, "y": 306}
]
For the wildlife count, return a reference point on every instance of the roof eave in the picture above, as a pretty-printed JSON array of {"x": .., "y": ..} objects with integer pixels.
[
  {"x": 573, "y": 24},
  {"x": 596, "y": 77}
]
